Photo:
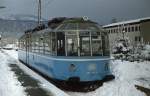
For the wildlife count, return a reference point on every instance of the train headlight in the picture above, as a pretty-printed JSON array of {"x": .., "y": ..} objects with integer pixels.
[
  {"x": 92, "y": 67},
  {"x": 72, "y": 67}
]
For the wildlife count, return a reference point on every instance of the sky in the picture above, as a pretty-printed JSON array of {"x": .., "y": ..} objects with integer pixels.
[{"x": 102, "y": 11}]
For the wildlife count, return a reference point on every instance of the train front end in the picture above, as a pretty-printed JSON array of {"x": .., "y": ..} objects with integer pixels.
[{"x": 82, "y": 52}]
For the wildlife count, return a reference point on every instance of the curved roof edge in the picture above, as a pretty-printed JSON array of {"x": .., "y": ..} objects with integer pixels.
[{"x": 127, "y": 22}]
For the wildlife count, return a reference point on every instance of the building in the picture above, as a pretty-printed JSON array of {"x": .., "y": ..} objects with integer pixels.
[{"x": 136, "y": 30}]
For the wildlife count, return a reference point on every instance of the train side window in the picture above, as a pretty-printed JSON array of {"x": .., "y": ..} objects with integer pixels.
[
  {"x": 54, "y": 43},
  {"x": 41, "y": 44},
  {"x": 24, "y": 45},
  {"x": 33, "y": 43},
  {"x": 105, "y": 45},
  {"x": 36, "y": 44},
  {"x": 47, "y": 44},
  {"x": 60, "y": 44}
]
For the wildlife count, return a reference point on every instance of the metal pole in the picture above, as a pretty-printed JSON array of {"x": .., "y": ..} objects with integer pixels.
[
  {"x": 91, "y": 47},
  {"x": 1, "y": 7},
  {"x": 39, "y": 12},
  {"x": 78, "y": 38}
]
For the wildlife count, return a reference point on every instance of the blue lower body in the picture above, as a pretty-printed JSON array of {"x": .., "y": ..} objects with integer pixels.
[{"x": 64, "y": 68}]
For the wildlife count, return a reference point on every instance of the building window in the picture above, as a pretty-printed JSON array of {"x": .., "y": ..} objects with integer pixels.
[
  {"x": 139, "y": 28},
  {"x": 125, "y": 29},
  {"x": 116, "y": 30},
  {"x": 132, "y": 29},
  {"x": 113, "y": 30},
  {"x": 108, "y": 31},
  {"x": 136, "y": 28},
  {"x": 137, "y": 38},
  {"x": 129, "y": 29}
]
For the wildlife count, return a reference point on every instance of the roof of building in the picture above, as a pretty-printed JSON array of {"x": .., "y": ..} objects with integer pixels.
[{"x": 127, "y": 22}]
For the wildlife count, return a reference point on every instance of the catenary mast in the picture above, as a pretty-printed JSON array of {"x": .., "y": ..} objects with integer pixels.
[{"x": 39, "y": 12}]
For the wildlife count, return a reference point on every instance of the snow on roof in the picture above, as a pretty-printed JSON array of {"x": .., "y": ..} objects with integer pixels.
[{"x": 126, "y": 22}]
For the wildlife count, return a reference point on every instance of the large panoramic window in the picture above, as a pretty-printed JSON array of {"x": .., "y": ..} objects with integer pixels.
[{"x": 86, "y": 44}]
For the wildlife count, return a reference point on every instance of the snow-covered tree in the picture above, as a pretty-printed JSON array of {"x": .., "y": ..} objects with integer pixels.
[
  {"x": 121, "y": 48},
  {"x": 145, "y": 53}
]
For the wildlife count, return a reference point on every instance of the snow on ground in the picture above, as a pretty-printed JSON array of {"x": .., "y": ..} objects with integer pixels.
[
  {"x": 9, "y": 85},
  {"x": 12, "y": 53},
  {"x": 128, "y": 74},
  {"x": 44, "y": 83}
]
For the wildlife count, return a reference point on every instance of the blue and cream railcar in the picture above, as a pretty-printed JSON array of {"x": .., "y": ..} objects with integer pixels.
[{"x": 76, "y": 50}]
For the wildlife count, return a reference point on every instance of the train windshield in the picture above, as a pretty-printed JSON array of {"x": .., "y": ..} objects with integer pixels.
[
  {"x": 81, "y": 39},
  {"x": 86, "y": 45}
]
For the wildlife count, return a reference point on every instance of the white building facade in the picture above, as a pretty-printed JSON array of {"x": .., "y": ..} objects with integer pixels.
[{"x": 136, "y": 31}]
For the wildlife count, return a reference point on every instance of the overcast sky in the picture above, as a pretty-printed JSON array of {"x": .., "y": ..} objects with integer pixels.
[{"x": 101, "y": 11}]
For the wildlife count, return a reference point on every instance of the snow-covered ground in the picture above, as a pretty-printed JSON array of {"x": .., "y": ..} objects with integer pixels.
[
  {"x": 128, "y": 74},
  {"x": 9, "y": 85},
  {"x": 44, "y": 83}
]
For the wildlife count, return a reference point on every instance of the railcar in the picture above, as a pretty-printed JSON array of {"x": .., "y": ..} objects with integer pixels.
[{"x": 74, "y": 53}]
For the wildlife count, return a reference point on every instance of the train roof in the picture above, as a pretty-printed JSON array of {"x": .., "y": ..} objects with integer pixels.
[
  {"x": 68, "y": 24},
  {"x": 43, "y": 31},
  {"x": 78, "y": 24}
]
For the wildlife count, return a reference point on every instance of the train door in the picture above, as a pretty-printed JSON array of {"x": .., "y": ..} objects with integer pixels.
[{"x": 60, "y": 44}]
